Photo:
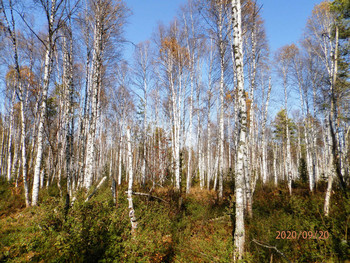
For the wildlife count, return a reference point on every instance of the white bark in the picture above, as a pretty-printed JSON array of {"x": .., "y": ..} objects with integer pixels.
[
  {"x": 143, "y": 179},
  {"x": 263, "y": 135},
  {"x": 190, "y": 51},
  {"x": 301, "y": 84},
  {"x": 130, "y": 183},
  {"x": 142, "y": 73},
  {"x": 15, "y": 157},
  {"x": 239, "y": 234},
  {"x": 2, "y": 153},
  {"x": 46, "y": 81},
  {"x": 329, "y": 169},
  {"x": 325, "y": 47},
  {"x": 69, "y": 108},
  {"x": 10, "y": 137},
  {"x": 42, "y": 177},
  {"x": 95, "y": 88},
  {"x": 209, "y": 157},
  {"x": 251, "y": 147},
  {"x": 209, "y": 174},
  {"x": 176, "y": 94},
  {"x": 189, "y": 164},
  {"x": 248, "y": 182},
  {"x": 95, "y": 190},
  {"x": 120, "y": 159},
  {"x": 39, "y": 154},
  {"x": 333, "y": 116},
  {"x": 221, "y": 101},
  {"x": 288, "y": 162},
  {"x": 275, "y": 165}
]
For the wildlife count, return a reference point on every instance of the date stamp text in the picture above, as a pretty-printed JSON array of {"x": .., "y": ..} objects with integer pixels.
[{"x": 302, "y": 235}]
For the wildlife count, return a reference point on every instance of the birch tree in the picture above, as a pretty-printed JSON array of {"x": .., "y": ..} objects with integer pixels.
[
  {"x": 209, "y": 106},
  {"x": 173, "y": 59},
  {"x": 239, "y": 232},
  {"x": 142, "y": 79},
  {"x": 52, "y": 10},
  {"x": 190, "y": 45},
  {"x": 193, "y": 42},
  {"x": 263, "y": 134},
  {"x": 323, "y": 40},
  {"x": 216, "y": 15},
  {"x": 130, "y": 183},
  {"x": 108, "y": 19},
  {"x": 69, "y": 98},
  {"x": 298, "y": 70},
  {"x": 283, "y": 56}
]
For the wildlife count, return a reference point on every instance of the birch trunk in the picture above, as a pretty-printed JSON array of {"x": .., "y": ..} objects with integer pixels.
[
  {"x": 329, "y": 169},
  {"x": 209, "y": 157},
  {"x": 130, "y": 183},
  {"x": 221, "y": 101},
  {"x": 83, "y": 127},
  {"x": 10, "y": 136},
  {"x": 200, "y": 141},
  {"x": 239, "y": 232},
  {"x": 2, "y": 153},
  {"x": 95, "y": 87},
  {"x": 143, "y": 179},
  {"x": 176, "y": 124},
  {"x": 209, "y": 174},
  {"x": 190, "y": 51},
  {"x": 114, "y": 191},
  {"x": 189, "y": 168},
  {"x": 42, "y": 113},
  {"x": 69, "y": 101},
  {"x": 263, "y": 135},
  {"x": 120, "y": 156},
  {"x": 305, "y": 122},
  {"x": 247, "y": 180},
  {"x": 39, "y": 154},
  {"x": 275, "y": 165},
  {"x": 333, "y": 117},
  {"x": 142, "y": 65},
  {"x": 251, "y": 147},
  {"x": 288, "y": 162}
]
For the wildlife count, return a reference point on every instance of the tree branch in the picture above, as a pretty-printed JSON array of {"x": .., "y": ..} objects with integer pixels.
[
  {"x": 275, "y": 248},
  {"x": 95, "y": 190},
  {"x": 219, "y": 218},
  {"x": 148, "y": 195}
]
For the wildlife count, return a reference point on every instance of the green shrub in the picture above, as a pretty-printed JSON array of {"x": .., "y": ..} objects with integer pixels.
[{"x": 181, "y": 228}]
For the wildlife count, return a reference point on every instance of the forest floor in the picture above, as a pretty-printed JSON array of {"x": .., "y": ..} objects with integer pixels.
[{"x": 175, "y": 228}]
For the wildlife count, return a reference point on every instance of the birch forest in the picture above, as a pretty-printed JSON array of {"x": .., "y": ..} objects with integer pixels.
[{"x": 203, "y": 146}]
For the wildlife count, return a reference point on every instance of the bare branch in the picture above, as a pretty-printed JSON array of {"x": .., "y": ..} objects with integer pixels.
[
  {"x": 95, "y": 190},
  {"x": 148, "y": 195},
  {"x": 272, "y": 247}
]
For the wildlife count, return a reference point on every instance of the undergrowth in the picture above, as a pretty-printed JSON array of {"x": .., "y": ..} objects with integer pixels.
[{"x": 178, "y": 228}]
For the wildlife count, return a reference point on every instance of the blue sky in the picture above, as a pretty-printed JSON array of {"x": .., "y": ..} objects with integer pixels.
[
  {"x": 284, "y": 19},
  {"x": 146, "y": 15}
]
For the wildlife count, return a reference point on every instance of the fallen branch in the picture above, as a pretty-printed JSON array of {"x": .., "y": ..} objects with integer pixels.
[
  {"x": 275, "y": 248},
  {"x": 95, "y": 190},
  {"x": 148, "y": 195},
  {"x": 219, "y": 218}
]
